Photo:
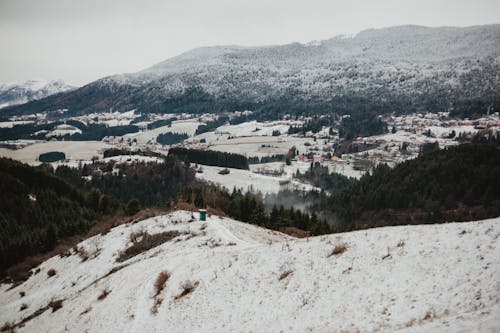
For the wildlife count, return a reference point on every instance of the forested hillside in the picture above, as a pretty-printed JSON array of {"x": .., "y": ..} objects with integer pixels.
[
  {"x": 37, "y": 209},
  {"x": 398, "y": 69},
  {"x": 460, "y": 183}
]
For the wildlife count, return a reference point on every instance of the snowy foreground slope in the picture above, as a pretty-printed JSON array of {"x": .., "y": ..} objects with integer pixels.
[{"x": 227, "y": 276}]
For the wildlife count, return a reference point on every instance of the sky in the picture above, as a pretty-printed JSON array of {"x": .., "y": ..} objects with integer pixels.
[{"x": 80, "y": 41}]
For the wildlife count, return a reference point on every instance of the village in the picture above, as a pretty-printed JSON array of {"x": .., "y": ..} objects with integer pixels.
[{"x": 266, "y": 145}]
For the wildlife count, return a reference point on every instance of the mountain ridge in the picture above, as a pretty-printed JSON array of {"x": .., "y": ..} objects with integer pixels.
[
  {"x": 20, "y": 93},
  {"x": 445, "y": 63}
]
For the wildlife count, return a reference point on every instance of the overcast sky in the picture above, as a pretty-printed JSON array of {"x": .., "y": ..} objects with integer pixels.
[{"x": 82, "y": 40}]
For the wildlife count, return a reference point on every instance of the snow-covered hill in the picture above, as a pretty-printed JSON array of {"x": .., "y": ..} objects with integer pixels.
[
  {"x": 414, "y": 62},
  {"x": 225, "y": 276},
  {"x": 19, "y": 93}
]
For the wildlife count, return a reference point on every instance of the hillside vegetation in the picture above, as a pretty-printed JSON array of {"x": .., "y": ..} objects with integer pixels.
[
  {"x": 398, "y": 69},
  {"x": 460, "y": 183},
  {"x": 37, "y": 209}
]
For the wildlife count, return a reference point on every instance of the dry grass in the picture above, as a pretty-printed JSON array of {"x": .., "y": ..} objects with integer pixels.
[
  {"x": 156, "y": 305},
  {"x": 161, "y": 280},
  {"x": 285, "y": 274},
  {"x": 8, "y": 327},
  {"x": 181, "y": 205},
  {"x": 215, "y": 211},
  {"x": 187, "y": 288},
  {"x": 82, "y": 253},
  {"x": 411, "y": 322},
  {"x": 146, "y": 243},
  {"x": 103, "y": 294},
  {"x": 21, "y": 271},
  {"x": 87, "y": 310},
  {"x": 295, "y": 232},
  {"x": 137, "y": 236},
  {"x": 338, "y": 250},
  {"x": 430, "y": 315},
  {"x": 11, "y": 326}
]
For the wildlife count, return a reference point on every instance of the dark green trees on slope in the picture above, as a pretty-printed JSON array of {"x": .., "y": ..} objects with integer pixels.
[
  {"x": 36, "y": 210},
  {"x": 459, "y": 183}
]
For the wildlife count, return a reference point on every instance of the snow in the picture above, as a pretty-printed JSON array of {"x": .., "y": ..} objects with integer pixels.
[
  {"x": 132, "y": 158},
  {"x": 424, "y": 278},
  {"x": 18, "y": 93},
  {"x": 63, "y": 129},
  {"x": 260, "y": 146},
  {"x": 10, "y": 124},
  {"x": 248, "y": 180},
  {"x": 179, "y": 126},
  {"x": 74, "y": 150}
]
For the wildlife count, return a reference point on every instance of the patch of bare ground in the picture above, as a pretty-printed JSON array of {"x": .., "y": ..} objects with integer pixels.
[
  {"x": 295, "y": 232},
  {"x": 146, "y": 242}
]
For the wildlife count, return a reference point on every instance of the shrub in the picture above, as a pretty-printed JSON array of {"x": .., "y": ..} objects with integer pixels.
[
  {"x": 132, "y": 207},
  {"x": 104, "y": 294},
  {"x": 51, "y": 272},
  {"x": 187, "y": 288},
  {"x": 160, "y": 282},
  {"x": 56, "y": 305},
  {"x": 338, "y": 250},
  {"x": 159, "y": 286},
  {"x": 285, "y": 274}
]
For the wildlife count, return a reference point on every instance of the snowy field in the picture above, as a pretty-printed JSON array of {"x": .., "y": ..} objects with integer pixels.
[
  {"x": 260, "y": 145},
  {"x": 132, "y": 158},
  {"x": 340, "y": 167},
  {"x": 226, "y": 276},
  {"x": 149, "y": 136},
  {"x": 10, "y": 124},
  {"x": 74, "y": 150},
  {"x": 247, "y": 129},
  {"x": 248, "y": 180}
]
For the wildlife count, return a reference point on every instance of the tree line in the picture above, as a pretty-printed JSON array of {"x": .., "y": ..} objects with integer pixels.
[
  {"x": 37, "y": 209},
  {"x": 460, "y": 183},
  {"x": 248, "y": 207},
  {"x": 210, "y": 157}
]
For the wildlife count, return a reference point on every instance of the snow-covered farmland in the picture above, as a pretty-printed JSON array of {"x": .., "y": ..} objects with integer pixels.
[
  {"x": 179, "y": 126},
  {"x": 74, "y": 150},
  {"x": 227, "y": 276},
  {"x": 132, "y": 158},
  {"x": 260, "y": 146},
  {"x": 248, "y": 180}
]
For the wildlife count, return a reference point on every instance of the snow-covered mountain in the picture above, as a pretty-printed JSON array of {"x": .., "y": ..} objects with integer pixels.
[
  {"x": 19, "y": 93},
  {"x": 225, "y": 276},
  {"x": 421, "y": 64}
]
